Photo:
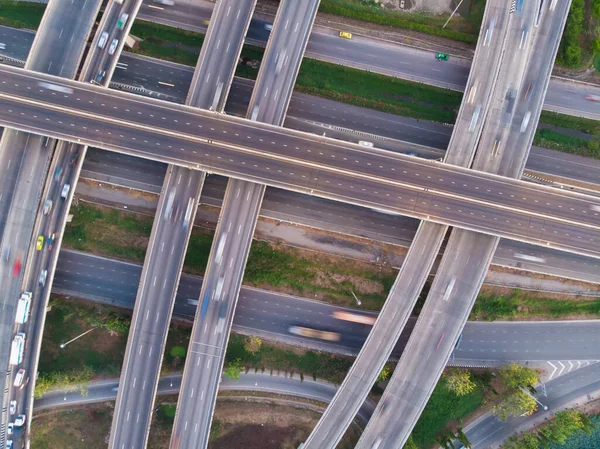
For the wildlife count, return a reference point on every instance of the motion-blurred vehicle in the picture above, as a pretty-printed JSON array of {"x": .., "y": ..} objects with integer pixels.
[
  {"x": 166, "y": 2},
  {"x": 113, "y": 46},
  {"x": 17, "y": 267},
  {"x": 314, "y": 333},
  {"x": 47, "y": 206},
  {"x": 51, "y": 241},
  {"x": 346, "y": 34},
  {"x": 100, "y": 76},
  {"x": 593, "y": 98},
  {"x": 74, "y": 157},
  {"x": 39, "y": 244},
  {"x": 6, "y": 253},
  {"x": 442, "y": 56},
  {"x": 103, "y": 39},
  {"x": 65, "y": 191},
  {"x": 57, "y": 173},
  {"x": 42, "y": 278},
  {"x": 354, "y": 317},
  {"x": 122, "y": 20}
]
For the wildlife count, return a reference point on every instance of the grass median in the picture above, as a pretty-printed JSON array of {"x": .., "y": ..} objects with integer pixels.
[
  {"x": 520, "y": 306},
  {"x": 21, "y": 14},
  {"x": 364, "y": 89},
  {"x": 462, "y": 29},
  {"x": 124, "y": 235}
]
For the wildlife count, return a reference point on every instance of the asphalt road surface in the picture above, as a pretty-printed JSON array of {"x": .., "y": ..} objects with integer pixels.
[
  {"x": 270, "y": 315},
  {"x": 24, "y": 159},
  {"x": 279, "y": 384},
  {"x": 468, "y": 255},
  {"x": 489, "y": 431},
  {"x": 466, "y": 191},
  {"x": 382, "y": 57}
]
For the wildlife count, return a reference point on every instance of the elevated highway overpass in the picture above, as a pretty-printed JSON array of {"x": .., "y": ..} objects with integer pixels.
[{"x": 309, "y": 164}]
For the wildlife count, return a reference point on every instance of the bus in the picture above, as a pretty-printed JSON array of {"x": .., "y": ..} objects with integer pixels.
[{"x": 354, "y": 317}]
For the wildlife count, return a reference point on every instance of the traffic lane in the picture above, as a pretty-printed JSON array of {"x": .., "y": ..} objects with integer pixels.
[
  {"x": 565, "y": 165},
  {"x": 435, "y": 335},
  {"x": 364, "y": 184},
  {"x": 229, "y": 25},
  {"x": 333, "y": 150},
  {"x": 64, "y": 28},
  {"x": 122, "y": 167},
  {"x": 326, "y": 111},
  {"x": 224, "y": 274},
  {"x": 582, "y": 242},
  {"x": 149, "y": 330},
  {"x": 116, "y": 282},
  {"x": 18, "y": 42},
  {"x": 570, "y": 98},
  {"x": 539, "y": 341},
  {"x": 560, "y": 392},
  {"x": 183, "y": 14},
  {"x": 284, "y": 54},
  {"x": 106, "y": 390},
  {"x": 380, "y": 342}
]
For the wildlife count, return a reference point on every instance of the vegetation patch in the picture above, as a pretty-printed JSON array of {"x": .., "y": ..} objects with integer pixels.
[
  {"x": 19, "y": 14},
  {"x": 102, "y": 350},
  {"x": 558, "y": 430},
  {"x": 548, "y": 138},
  {"x": 458, "y": 29},
  {"x": 289, "y": 360},
  {"x": 443, "y": 406},
  {"x": 582, "y": 440},
  {"x": 518, "y": 305},
  {"x": 107, "y": 231}
]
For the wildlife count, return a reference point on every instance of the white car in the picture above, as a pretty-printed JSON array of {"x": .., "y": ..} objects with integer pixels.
[
  {"x": 113, "y": 46},
  {"x": 103, "y": 39},
  {"x": 42, "y": 278},
  {"x": 19, "y": 378},
  {"x": 13, "y": 407},
  {"x": 47, "y": 206},
  {"x": 65, "y": 191},
  {"x": 20, "y": 421},
  {"x": 9, "y": 444},
  {"x": 10, "y": 428}
]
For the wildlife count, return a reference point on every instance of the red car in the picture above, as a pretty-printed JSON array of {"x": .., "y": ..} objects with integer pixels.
[
  {"x": 17, "y": 267},
  {"x": 593, "y": 98}
]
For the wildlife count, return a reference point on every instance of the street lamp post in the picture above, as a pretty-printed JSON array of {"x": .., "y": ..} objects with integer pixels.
[{"x": 62, "y": 345}]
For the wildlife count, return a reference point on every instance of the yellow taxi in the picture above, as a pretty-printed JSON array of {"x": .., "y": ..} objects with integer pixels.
[
  {"x": 345, "y": 34},
  {"x": 40, "y": 242}
]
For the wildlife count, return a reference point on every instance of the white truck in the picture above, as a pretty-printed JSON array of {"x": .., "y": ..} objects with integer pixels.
[
  {"x": 23, "y": 307},
  {"x": 17, "y": 349}
]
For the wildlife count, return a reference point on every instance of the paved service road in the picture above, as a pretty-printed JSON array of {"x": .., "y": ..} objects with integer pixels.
[
  {"x": 563, "y": 392},
  {"x": 106, "y": 390},
  {"x": 464, "y": 192},
  {"x": 268, "y": 314},
  {"x": 383, "y": 57}
]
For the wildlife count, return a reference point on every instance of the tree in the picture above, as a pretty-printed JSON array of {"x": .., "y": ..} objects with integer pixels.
[
  {"x": 462, "y": 438},
  {"x": 516, "y": 376},
  {"x": 252, "y": 344},
  {"x": 385, "y": 373},
  {"x": 516, "y": 404},
  {"x": 233, "y": 369},
  {"x": 445, "y": 440},
  {"x": 460, "y": 382}
]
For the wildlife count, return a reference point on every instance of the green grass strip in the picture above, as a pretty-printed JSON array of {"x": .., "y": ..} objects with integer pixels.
[
  {"x": 517, "y": 305},
  {"x": 548, "y": 138},
  {"x": 371, "y": 12},
  {"x": 21, "y": 14}
]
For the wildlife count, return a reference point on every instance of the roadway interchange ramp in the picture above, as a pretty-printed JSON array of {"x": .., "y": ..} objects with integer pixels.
[
  {"x": 425, "y": 246},
  {"x": 503, "y": 149},
  {"x": 321, "y": 166},
  {"x": 57, "y": 49},
  {"x": 170, "y": 235},
  {"x": 233, "y": 236}
]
